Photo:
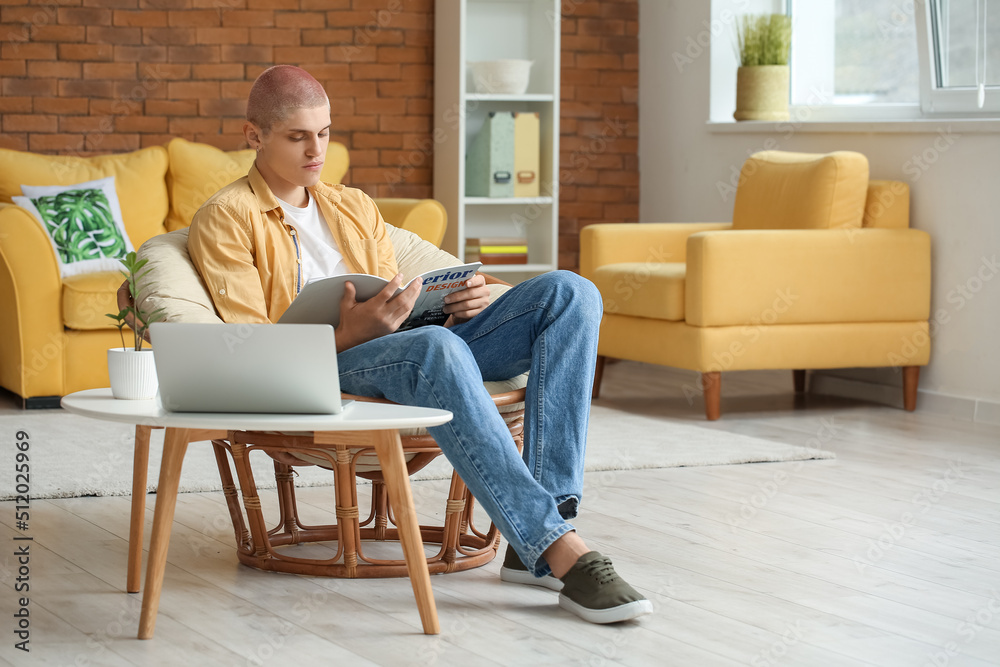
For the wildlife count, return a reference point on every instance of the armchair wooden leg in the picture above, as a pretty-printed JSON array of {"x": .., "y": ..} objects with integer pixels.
[
  {"x": 598, "y": 376},
  {"x": 800, "y": 381},
  {"x": 911, "y": 377},
  {"x": 711, "y": 383}
]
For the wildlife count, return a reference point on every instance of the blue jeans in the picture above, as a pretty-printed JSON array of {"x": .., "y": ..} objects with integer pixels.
[{"x": 548, "y": 326}]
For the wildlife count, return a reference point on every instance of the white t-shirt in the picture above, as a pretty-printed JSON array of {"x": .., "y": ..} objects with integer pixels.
[{"x": 318, "y": 248}]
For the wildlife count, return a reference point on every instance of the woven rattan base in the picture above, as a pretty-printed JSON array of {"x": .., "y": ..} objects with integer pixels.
[{"x": 462, "y": 546}]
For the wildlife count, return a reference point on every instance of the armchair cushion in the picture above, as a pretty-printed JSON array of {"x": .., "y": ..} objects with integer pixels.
[
  {"x": 139, "y": 181},
  {"x": 654, "y": 290},
  {"x": 782, "y": 190},
  {"x": 198, "y": 171},
  {"x": 173, "y": 283},
  {"x": 87, "y": 298}
]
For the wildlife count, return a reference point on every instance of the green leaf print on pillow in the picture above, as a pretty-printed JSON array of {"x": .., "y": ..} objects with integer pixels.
[{"x": 81, "y": 225}]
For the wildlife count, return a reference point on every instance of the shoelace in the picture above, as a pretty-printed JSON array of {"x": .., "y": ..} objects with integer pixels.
[{"x": 602, "y": 570}]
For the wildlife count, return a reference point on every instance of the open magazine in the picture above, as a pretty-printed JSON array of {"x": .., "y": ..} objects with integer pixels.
[{"x": 319, "y": 300}]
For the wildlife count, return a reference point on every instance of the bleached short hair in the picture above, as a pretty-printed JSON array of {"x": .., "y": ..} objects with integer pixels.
[{"x": 278, "y": 91}]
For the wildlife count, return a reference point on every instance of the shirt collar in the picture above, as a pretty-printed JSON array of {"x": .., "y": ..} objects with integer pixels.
[{"x": 267, "y": 200}]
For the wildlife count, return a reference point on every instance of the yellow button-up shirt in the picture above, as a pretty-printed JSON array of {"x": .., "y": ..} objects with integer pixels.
[{"x": 250, "y": 257}]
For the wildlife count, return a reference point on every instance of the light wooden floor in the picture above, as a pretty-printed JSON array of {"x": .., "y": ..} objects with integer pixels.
[{"x": 888, "y": 555}]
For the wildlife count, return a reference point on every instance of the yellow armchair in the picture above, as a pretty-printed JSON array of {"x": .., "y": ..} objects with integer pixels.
[
  {"x": 817, "y": 270},
  {"x": 53, "y": 331}
]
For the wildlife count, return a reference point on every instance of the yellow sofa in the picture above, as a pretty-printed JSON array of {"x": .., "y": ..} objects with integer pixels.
[
  {"x": 817, "y": 270},
  {"x": 53, "y": 331}
]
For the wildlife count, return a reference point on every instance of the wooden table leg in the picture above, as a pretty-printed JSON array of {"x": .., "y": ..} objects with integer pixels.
[
  {"x": 140, "y": 463},
  {"x": 175, "y": 444},
  {"x": 397, "y": 483}
]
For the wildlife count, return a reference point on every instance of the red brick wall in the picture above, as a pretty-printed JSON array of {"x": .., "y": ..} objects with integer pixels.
[
  {"x": 96, "y": 76},
  {"x": 599, "y": 161}
]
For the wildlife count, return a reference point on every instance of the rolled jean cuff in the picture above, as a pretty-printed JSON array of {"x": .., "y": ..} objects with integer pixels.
[
  {"x": 538, "y": 566},
  {"x": 568, "y": 506}
]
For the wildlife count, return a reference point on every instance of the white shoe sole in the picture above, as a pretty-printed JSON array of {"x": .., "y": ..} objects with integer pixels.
[
  {"x": 528, "y": 579},
  {"x": 617, "y": 614}
]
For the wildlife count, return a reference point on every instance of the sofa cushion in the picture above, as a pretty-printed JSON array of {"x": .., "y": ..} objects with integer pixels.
[
  {"x": 653, "y": 290},
  {"x": 198, "y": 171},
  {"x": 83, "y": 222},
  {"x": 140, "y": 181},
  {"x": 88, "y": 298},
  {"x": 782, "y": 190}
]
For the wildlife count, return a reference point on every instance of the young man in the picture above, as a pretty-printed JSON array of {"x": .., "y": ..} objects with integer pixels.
[{"x": 258, "y": 240}]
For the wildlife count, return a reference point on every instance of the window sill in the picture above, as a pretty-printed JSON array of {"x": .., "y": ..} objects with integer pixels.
[{"x": 908, "y": 126}]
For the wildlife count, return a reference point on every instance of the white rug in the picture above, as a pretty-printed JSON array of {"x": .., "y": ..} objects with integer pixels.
[{"x": 73, "y": 456}]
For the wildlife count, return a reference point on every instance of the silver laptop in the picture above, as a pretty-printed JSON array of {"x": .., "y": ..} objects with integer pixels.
[{"x": 262, "y": 368}]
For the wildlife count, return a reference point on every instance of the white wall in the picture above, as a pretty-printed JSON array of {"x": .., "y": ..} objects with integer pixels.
[{"x": 956, "y": 199}]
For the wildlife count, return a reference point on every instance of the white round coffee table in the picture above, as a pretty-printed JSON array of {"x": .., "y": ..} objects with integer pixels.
[{"x": 378, "y": 423}]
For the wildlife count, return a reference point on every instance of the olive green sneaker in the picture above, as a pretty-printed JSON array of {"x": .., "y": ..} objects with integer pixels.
[
  {"x": 515, "y": 572},
  {"x": 593, "y": 591}
]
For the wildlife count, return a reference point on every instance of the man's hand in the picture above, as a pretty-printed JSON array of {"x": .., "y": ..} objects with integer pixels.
[
  {"x": 466, "y": 303},
  {"x": 362, "y": 321}
]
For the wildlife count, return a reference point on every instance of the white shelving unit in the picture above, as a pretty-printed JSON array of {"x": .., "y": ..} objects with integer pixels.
[{"x": 473, "y": 30}]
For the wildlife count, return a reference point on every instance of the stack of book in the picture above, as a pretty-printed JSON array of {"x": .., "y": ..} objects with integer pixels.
[{"x": 497, "y": 250}]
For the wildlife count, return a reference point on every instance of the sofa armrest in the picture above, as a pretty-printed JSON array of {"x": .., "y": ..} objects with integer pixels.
[
  {"x": 807, "y": 276},
  {"x": 31, "y": 327},
  {"x": 426, "y": 218},
  {"x": 657, "y": 242}
]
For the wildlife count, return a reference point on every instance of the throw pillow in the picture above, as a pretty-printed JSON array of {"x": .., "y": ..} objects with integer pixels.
[{"x": 83, "y": 222}]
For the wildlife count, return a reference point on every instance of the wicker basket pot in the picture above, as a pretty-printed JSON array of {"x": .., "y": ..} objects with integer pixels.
[{"x": 762, "y": 93}]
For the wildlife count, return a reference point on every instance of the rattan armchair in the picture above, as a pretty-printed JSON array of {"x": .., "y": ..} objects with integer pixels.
[{"x": 175, "y": 285}]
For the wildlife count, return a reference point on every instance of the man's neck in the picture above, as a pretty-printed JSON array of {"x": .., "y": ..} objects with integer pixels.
[{"x": 296, "y": 195}]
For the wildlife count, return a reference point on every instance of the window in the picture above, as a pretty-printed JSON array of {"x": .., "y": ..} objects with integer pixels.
[
  {"x": 869, "y": 57},
  {"x": 963, "y": 49},
  {"x": 893, "y": 59},
  {"x": 963, "y": 56}
]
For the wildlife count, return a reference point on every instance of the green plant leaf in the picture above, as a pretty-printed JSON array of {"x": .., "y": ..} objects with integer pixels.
[
  {"x": 142, "y": 317},
  {"x": 764, "y": 39}
]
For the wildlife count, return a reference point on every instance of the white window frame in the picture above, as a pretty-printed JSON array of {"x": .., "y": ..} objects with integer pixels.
[{"x": 953, "y": 100}]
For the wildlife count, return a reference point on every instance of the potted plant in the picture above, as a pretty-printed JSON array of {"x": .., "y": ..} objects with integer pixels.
[
  {"x": 764, "y": 41},
  {"x": 131, "y": 369}
]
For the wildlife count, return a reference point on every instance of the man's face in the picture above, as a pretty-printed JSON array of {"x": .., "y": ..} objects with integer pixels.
[{"x": 293, "y": 152}]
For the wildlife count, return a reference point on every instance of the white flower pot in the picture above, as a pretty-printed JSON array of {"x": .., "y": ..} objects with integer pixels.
[{"x": 132, "y": 374}]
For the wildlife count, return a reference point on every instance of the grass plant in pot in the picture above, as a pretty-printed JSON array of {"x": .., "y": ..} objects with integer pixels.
[
  {"x": 131, "y": 368},
  {"x": 764, "y": 41}
]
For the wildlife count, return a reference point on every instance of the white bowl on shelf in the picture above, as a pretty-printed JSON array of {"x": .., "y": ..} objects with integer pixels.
[{"x": 500, "y": 77}]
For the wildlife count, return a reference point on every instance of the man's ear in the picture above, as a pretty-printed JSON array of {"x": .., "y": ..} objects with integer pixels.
[{"x": 253, "y": 134}]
